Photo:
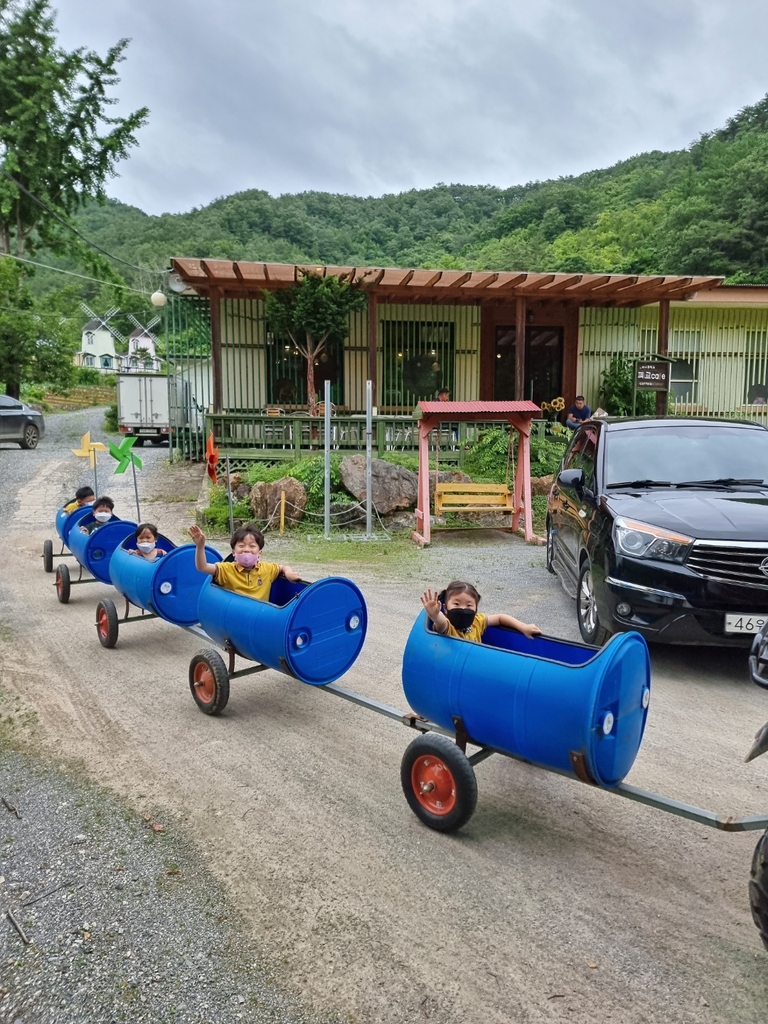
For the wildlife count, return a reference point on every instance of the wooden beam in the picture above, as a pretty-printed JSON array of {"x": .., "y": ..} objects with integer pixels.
[
  {"x": 520, "y": 348},
  {"x": 662, "y": 347},
  {"x": 216, "y": 349},
  {"x": 373, "y": 342}
]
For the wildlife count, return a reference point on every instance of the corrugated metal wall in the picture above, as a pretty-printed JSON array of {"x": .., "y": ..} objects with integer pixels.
[{"x": 719, "y": 356}]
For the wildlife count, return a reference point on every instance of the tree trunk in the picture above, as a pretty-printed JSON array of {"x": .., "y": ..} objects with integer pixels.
[
  {"x": 13, "y": 389},
  {"x": 311, "y": 395}
]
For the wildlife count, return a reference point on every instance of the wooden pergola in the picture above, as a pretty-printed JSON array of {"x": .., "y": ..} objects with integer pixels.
[
  {"x": 517, "y": 414},
  {"x": 547, "y": 294}
]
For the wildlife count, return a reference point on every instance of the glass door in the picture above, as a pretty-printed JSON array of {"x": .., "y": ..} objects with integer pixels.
[{"x": 543, "y": 363}]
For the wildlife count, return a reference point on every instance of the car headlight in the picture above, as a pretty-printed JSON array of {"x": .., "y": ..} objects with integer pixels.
[{"x": 639, "y": 540}]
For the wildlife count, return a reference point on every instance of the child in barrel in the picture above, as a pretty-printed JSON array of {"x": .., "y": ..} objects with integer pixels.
[
  {"x": 83, "y": 496},
  {"x": 103, "y": 509},
  {"x": 246, "y": 574},
  {"x": 460, "y": 617},
  {"x": 147, "y": 536}
]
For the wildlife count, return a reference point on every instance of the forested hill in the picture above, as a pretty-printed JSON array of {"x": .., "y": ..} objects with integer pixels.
[{"x": 702, "y": 210}]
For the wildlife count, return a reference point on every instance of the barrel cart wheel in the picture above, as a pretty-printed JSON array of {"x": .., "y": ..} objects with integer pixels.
[
  {"x": 439, "y": 782},
  {"x": 107, "y": 625},
  {"x": 209, "y": 681},
  {"x": 48, "y": 555},
  {"x": 63, "y": 586},
  {"x": 758, "y": 888}
]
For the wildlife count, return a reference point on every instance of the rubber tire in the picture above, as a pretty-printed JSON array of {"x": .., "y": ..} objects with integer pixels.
[
  {"x": 107, "y": 623},
  {"x": 599, "y": 633},
  {"x": 63, "y": 585},
  {"x": 758, "y": 888},
  {"x": 219, "y": 680},
  {"x": 464, "y": 781},
  {"x": 550, "y": 549},
  {"x": 31, "y": 437},
  {"x": 48, "y": 555}
]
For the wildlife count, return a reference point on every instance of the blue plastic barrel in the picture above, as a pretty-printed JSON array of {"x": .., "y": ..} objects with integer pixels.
[
  {"x": 65, "y": 521},
  {"x": 313, "y": 631},
  {"x": 552, "y": 702},
  {"x": 169, "y": 586},
  {"x": 94, "y": 550}
]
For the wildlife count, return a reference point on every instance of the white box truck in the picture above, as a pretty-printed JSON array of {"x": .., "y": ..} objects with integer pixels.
[{"x": 142, "y": 406}]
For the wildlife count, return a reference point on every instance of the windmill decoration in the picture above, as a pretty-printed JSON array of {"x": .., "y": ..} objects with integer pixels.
[
  {"x": 143, "y": 339},
  {"x": 104, "y": 321}
]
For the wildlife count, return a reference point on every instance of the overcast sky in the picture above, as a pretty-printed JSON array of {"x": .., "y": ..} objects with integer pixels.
[{"x": 369, "y": 97}]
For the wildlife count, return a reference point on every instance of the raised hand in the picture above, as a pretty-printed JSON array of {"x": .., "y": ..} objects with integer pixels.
[
  {"x": 197, "y": 535},
  {"x": 431, "y": 603}
]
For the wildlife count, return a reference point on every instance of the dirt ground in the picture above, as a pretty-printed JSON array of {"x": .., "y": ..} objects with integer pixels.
[{"x": 556, "y": 902}]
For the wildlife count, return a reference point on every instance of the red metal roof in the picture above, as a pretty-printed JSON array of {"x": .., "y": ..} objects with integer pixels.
[{"x": 478, "y": 408}]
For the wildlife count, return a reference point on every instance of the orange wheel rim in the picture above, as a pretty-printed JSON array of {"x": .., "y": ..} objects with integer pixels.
[
  {"x": 433, "y": 784},
  {"x": 205, "y": 687},
  {"x": 59, "y": 583},
  {"x": 102, "y": 623}
]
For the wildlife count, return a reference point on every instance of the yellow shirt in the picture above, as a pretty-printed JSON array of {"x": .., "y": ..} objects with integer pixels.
[
  {"x": 253, "y": 582},
  {"x": 72, "y": 506},
  {"x": 474, "y": 633}
]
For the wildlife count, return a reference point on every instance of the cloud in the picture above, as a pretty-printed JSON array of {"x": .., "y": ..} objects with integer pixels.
[{"x": 348, "y": 96}]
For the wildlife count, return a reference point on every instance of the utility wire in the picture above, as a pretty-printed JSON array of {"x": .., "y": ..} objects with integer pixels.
[
  {"x": 71, "y": 273},
  {"x": 62, "y": 220}
]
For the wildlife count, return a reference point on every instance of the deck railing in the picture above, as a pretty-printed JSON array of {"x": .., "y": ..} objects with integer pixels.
[{"x": 246, "y": 436}]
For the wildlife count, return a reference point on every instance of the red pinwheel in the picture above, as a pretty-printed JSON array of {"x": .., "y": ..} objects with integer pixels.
[{"x": 211, "y": 457}]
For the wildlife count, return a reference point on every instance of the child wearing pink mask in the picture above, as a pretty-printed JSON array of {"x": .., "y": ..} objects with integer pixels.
[{"x": 247, "y": 574}]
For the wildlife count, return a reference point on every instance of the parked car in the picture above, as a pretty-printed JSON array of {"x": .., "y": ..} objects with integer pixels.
[
  {"x": 20, "y": 423},
  {"x": 662, "y": 526}
]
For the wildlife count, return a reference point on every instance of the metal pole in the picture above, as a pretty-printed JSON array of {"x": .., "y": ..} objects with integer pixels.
[
  {"x": 135, "y": 489},
  {"x": 368, "y": 443},
  {"x": 229, "y": 499},
  {"x": 95, "y": 473},
  {"x": 327, "y": 497}
]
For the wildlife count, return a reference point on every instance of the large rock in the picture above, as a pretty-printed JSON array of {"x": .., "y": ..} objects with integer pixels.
[
  {"x": 265, "y": 500},
  {"x": 238, "y": 485},
  {"x": 392, "y": 487},
  {"x": 541, "y": 484},
  {"x": 448, "y": 476}
]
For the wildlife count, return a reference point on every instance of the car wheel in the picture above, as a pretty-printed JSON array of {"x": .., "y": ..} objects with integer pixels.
[
  {"x": 31, "y": 436},
  {"x": 591, "y": 629},
  {"x": 758, "y": 888},
  {"x": 550, "y": 549}
]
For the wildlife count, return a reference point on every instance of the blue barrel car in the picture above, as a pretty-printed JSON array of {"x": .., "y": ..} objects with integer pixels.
[
  {"x": 93, "y": 551},
  {"x": 564, "y": 706},
  {"x": 311, "y": 631},
  {"x": 64, "y": 523},
  {"x": 167, "y": 587}
]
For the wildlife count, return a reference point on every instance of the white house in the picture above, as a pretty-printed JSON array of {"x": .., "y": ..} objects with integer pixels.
[
  {"x": 141, "y": 352},
  {"x": 97, "y": 348}
]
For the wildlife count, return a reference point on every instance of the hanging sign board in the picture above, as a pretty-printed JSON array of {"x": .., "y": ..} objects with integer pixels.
[{"x": 652, "y": 376}]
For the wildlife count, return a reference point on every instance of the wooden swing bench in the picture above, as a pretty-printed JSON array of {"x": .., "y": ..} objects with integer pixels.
[{"x": 456, "y": 497}]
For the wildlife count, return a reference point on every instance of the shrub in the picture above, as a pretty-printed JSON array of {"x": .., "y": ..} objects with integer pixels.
[
  {"x": 616, "y": 390},
  {"x": 487, "y": 457},
  {"x": 87, "y": 375},
  {"x": 110, "y": 418}
]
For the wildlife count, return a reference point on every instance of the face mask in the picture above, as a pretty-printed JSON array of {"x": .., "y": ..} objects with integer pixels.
[
  {"x": 102, "y": 517},
  {"x": 145, "y": 546},
  {"x": 247, "y": 559},
  {"x": 461, "y": 618}
]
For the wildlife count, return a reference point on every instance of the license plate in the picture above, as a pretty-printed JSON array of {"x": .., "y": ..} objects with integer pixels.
[{"x": 745, "y": 623}]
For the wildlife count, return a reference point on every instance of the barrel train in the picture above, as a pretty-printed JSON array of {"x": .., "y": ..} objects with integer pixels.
[{"x": 566, "y": 707}]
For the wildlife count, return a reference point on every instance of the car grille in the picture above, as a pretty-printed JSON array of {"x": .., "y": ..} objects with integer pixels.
[{"x": 730, "y": 563}]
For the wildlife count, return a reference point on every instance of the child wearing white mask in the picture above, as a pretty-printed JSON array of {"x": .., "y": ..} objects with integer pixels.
[
  {"x": 147, "y": 536},
  {"x": 246, "y": 574},
  {"x": 103, "y": 509}
]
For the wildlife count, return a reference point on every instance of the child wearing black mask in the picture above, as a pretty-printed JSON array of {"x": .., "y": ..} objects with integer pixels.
[{"x": 461, "y": 618}]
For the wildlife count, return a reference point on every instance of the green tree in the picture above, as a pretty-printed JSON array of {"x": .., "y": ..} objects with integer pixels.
[
  {"x": 18, "y": 328},
  {"x": 57, "y": 142},
  {"x": 311, "y": 312}
]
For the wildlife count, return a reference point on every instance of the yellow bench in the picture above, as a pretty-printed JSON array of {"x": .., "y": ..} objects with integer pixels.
[{"x": 472, "y": 498}]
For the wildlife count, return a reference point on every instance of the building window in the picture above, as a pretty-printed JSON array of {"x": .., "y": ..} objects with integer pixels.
[
  {"x": 106, "y": 362},
  {"x": 418, "y": 360},
  {"x": 89, "y": 361},
  {"x": 89, "y": 337},
  {"x": 756, "y": 368},
  {"x": 683, "y": 381}
]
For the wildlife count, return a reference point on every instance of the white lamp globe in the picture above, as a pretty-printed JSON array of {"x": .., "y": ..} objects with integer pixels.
[{"x": 158, "y": 298}]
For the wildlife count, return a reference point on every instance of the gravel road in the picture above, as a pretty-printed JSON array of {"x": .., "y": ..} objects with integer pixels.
[{"x": 556, "y": 902}]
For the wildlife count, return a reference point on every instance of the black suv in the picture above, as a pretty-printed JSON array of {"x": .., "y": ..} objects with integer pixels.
[{"x": 662, "y": 526}]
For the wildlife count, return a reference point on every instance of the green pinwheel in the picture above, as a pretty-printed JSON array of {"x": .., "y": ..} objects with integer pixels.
[{"x": 125, "y": 457}]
